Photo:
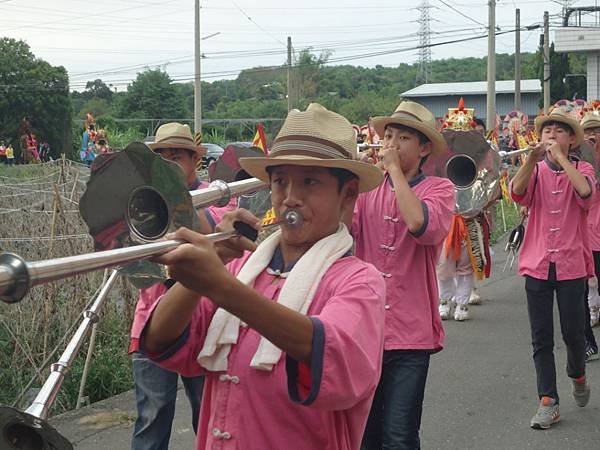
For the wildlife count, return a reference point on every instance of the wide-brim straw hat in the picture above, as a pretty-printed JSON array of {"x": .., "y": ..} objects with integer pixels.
[
  {"x": 417, "y": 117},
  {"x": 560, "y": 116},
  {"x": 176, "y": 135},
  {"x": 316, "y": 137},
  {"x": 590, "y": 120}
]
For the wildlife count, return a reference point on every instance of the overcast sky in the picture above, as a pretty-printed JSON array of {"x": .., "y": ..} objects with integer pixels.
[{"x": 115, "y": 39}]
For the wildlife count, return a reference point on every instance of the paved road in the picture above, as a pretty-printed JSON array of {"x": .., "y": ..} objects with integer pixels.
[{"x": 480, "y": 393}]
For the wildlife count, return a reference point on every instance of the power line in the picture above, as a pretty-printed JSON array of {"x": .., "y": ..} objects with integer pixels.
[
  {"x": 257, "y": 25},
  {"x": 462, "y": 14}
]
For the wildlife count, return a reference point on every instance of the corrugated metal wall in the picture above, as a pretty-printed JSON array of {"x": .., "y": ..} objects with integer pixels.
[{"x": 504, "y": 104}]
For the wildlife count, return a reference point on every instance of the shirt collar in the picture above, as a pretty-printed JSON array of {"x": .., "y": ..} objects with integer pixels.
[
  {"x": 277, "y": 265},
  {"x": 556, "y": 167},
  {"x": 412, "y": 183},
  {"x": 552, "y": 166}
]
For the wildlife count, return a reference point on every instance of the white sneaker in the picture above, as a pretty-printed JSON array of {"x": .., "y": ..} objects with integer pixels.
[
  {"x": 594, "y": 315},
  {"x": 475, "y": 298},
  {"x": 461, "y": 313},
  {"x": 446, "y": 307}
]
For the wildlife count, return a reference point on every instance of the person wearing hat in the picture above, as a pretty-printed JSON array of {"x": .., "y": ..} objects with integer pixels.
[
  {"x": 400, "y": 228},
  {"x": 554, "y": 254},
  {"x": 289, "y": 337},
  {"x": 591, "y": 130},
  {"x": 156, "y": 387}
]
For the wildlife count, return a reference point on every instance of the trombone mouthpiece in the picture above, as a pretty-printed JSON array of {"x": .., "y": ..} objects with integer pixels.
[{"x": 292, "y": 218}]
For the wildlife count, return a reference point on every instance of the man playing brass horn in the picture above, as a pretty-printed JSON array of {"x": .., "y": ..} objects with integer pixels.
[
  {"x": 400, "y": 227},
  {"x": 289, "y": 337},
  {"x": 155, "y": 387}
]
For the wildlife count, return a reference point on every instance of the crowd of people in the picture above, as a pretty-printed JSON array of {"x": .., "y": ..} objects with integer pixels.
[
  {"x": 30, "y": 151},
  {"x": 321, "y": 336}
]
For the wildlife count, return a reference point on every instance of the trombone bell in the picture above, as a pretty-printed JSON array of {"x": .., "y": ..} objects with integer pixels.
[{"x": 22, "y": 431}]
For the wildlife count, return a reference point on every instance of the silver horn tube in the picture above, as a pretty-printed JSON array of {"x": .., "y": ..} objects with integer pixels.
[
  {"x": 30, "y": 429},
  {"x": 461, "y": 169},
  {"x": 149, "y": 215},
  {"x": 17, "y": 276}
]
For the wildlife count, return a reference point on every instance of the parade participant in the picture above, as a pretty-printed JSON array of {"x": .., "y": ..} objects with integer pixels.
[
  {"x": 156, "y": 387},
  {"x": 553, "y": 256},
  {"x": 292, "y": 347},
  {"x": 10, "y": 155},
  {"x": 591, "y": 129},
  {"x": 88, "y": 140},
  {"x": 400, "y": 227},
  {"x": 466, "y": 256}
]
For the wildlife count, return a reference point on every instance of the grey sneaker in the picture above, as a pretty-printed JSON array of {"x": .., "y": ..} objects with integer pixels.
[
  {"x": 547, "y": 414},
  {"x": 581, "y": 392}
]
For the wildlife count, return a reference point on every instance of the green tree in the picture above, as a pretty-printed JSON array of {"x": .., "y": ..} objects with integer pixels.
[
  {"x": 98, "y": 89},
  {"x": 152, "y": 96},
  {"x": 30, "y": 87}
]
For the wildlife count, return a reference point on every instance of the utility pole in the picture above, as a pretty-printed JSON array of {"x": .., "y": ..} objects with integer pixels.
[
  {"x": 197, "y": 57},
  {"x": 290, "y": 104},
  {"x": 546, "y": 63},
  {"x": 518, "y": 60},
  {"x": 491, "y": 66}
]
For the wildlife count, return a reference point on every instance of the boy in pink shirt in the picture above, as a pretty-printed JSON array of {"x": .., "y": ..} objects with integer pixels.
[
  {"x": 554, "y": 255},
  {"x": 591, "y": 129},
  {"x": 399, "y": 228},
  {"x": 292, "y": 347}
]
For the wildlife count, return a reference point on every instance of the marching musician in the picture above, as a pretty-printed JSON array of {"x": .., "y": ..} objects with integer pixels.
[
  {"x": 591, "y": 129},
  {"x": 156, "y": 387},
  {"x": 553, "y": 258},
  {"x": 289, "y": 337},
  {"x": 399, "y": 227}
]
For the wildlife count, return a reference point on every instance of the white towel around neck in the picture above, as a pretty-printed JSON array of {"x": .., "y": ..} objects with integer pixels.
[{"x": 297, "y": 293}]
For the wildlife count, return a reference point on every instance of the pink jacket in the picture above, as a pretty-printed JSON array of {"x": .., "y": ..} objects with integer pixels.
[
  {"x": 557, "y": 228},
  {"x": 323, "y": 405},
  {"x": 407, "y": 261}
]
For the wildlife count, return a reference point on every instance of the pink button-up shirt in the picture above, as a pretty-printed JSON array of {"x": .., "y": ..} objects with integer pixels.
[
  {"x": 593, "y": 220},
  {"x": 556, "y": 230},
  {"x": 406, "y": 260},
  {"x": 294, "y": 406}
]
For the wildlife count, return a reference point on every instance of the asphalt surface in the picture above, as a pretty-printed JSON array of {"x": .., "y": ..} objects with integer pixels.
[{"x": 480, "y": 393}]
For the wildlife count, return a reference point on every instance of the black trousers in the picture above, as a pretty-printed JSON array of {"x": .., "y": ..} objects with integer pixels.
[
  {"x": 589, "y": 334},
  {"x": 571, "y": 308}
]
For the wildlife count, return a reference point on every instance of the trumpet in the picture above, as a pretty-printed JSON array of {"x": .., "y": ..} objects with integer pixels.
[
  {"x": 362, "y": 147},
  {"x": 505, "y": 154}
]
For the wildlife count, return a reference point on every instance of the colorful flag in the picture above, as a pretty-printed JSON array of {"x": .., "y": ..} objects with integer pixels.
[{"x": 260, "y": 140}]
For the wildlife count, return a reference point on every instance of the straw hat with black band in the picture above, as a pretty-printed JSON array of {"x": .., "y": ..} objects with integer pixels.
[
  {"x": 315, "y": 137},
  {"x": 417, "y": 117},
  {"x": 560, "y": 116},
  {"x": 176, "y": 135}
]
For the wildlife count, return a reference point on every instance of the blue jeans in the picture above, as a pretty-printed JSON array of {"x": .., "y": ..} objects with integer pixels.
[
  {"x": 395, "y": 417},
  {"x": 155, "y": 396}
]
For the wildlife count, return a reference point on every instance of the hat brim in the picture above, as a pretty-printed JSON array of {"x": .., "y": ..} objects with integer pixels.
[
  {"x": 593, "y": 122},
  {"x": 195, "y": 148},
  {"x": 571, "y": 122},
  {"x": 369, "y": 176},
  {"x": 436, "y": 138}
]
